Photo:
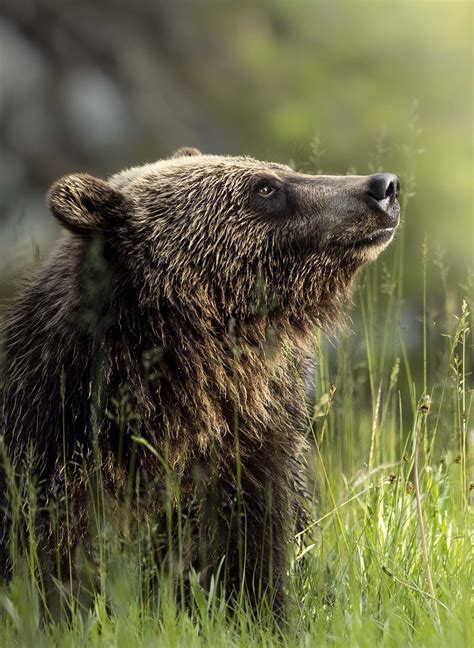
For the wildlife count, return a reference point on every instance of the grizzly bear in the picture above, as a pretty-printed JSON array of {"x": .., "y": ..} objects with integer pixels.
[{"x": 155, "y": 366}]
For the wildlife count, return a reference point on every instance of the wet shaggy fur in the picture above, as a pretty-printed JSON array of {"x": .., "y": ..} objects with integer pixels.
[{"x": 158, "y": 359}]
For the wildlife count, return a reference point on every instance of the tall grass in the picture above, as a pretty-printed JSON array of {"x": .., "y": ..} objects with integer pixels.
[{"x": 387, "y": 557}]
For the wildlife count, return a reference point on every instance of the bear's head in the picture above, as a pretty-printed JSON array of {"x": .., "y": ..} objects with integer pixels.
[{"x": 233, "y": 236}]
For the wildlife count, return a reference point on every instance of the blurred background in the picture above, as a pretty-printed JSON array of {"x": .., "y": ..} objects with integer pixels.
[{"x": 336, "y": 87}]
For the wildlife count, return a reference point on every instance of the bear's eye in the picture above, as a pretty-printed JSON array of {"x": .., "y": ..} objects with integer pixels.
[{"x": 265, "y": 190}]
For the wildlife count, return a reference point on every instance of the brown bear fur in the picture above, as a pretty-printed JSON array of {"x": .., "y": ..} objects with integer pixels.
[{"x": 160, "y": 352}]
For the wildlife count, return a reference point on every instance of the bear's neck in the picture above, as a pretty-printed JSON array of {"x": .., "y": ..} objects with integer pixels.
[
  {"x": 205, "y": 376},
  {"x": 201, "y": 381}
]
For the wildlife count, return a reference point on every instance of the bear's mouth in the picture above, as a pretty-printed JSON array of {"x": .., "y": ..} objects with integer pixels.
[{"x": 379, "y": 237}]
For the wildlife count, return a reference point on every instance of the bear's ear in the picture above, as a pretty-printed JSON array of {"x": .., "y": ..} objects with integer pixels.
[
  {"x": 186, "y": 151},
  {"x": 84, "y": 204}
]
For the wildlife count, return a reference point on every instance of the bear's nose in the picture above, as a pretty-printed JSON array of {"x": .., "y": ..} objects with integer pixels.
[{"x": 384, "y": 185}]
